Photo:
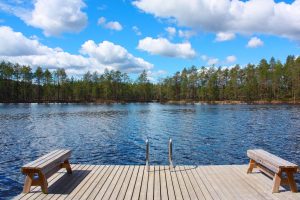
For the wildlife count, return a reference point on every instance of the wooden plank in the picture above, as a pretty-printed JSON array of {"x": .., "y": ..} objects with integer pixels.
[
  {"x": 188, "y": 184},
  {"x": 182, "y": 185},
  {"x": 264, "y": 184},
  {"x": 156, "y": 183},
  {"x": 57, "y": 160},
  {"x": 84, "y": 194},
  {"x": 132, "y": 182},
  {"x": 243, "y": 188},
  {"x": 120, "y": 182},
  {"x": 198, "y": 191},
  {"x": 98, "y": 185},
  {"x": 124, "y": 187},
  {"x": 138, "y": 185},
  {"x": 55, "y": 192},
  {"x": 163, "y": 183},
  {"x": 280, "y": 162},
  {"x": 42, "y": 158},
  {"x": 257, "y": 185},
  {"x": 177, "y": 189},
  {"x": 202, "y": 187},
  {"x": 59, "y": 156},
  {"x": 227, "y": 181},
  {"x": 215, "y": 183},
  {"x": 107, "y": 183},
  {"x": 71, "y": 184},
  {"x": 150, "y": 188},
  {"x": 86, "y": 182},
  {"x": 169, "y": 183},
  {"x": 269, "y": 160},
  {"x": 113, "y": 183},
  {"x": 36, "y": 190},
  {"x": 144, "y": 186}
]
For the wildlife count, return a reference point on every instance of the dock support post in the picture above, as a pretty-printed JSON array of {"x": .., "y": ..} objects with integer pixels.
[
  {"x": 170, "y": 153},
  {"x": 147, "y": 155}
]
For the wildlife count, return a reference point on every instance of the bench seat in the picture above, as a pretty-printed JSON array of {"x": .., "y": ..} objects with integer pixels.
[
  {"x": 39, "y": 170},
  {"x": 273, "y": 166}
]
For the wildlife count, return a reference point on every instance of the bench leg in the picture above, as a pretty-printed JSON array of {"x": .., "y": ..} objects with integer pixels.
[
  {"x": 291, "y": 181},
  {"x": 68, "y": 166},
  {"x": 276, "y": 182},
  {"x": 28, "y": 182},
  {"x": 251, "y": 166},
  {"x": 43, "y": 183}
]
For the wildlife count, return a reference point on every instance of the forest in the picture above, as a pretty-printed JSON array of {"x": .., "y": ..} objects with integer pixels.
[{"x": 267, "y": 81}]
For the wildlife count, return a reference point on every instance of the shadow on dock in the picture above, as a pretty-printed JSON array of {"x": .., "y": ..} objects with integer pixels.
[{"x": 68, "y": 182}]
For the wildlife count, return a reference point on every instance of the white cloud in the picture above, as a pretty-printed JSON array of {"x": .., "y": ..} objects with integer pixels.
[
  {"x": 222, "y": 36},
  {"x": 186, "y": 34},
  {"x": 255, "y": 42},
  {"x": 136, "y": 30},
  {"x": 210, "y": 60},
  {"x": 113, "y": 25},
  {"x": 53, "y": 17},
  {"x": 233, "y": 16},
  {"x": 15, "y": 47},
  {"x": 231, "y": 59},
  {"x": 155, "y": 76},
  {"x": 114, "y": 55},
  {"x": 171, "y": 31},
  {"x": 164, "y": 47}
]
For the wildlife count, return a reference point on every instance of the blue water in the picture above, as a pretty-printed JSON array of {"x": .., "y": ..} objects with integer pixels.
[{"x": 116, "y": 134}]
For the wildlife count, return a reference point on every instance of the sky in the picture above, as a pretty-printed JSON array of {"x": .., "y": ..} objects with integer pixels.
[{"x": 159, "y": 36}]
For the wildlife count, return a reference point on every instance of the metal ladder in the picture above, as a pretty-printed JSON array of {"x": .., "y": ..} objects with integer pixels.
[{"x": 170, "y": 154}]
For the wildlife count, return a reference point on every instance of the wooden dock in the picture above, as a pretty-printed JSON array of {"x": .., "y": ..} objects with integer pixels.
[{"x": 182, "y": 182}]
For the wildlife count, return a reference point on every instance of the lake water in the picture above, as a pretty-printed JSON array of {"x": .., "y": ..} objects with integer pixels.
[{"x": 116, "y": 134}]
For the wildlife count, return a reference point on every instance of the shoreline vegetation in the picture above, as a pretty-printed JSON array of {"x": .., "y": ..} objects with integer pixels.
[
  {"x": 171, "y": 102},
  {"x": 269, "y": 82}
]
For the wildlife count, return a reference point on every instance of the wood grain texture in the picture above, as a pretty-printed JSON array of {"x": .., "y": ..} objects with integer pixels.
[{"x": 181, "y": 182}]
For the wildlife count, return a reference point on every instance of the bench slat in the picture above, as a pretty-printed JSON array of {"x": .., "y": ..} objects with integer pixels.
[
  {"x": 55, "y": 159},
  {"x": 41, "y": 159},
  {"x": 48, "y": 165},
  {"x": 279, "y": 161},
  {"x": 271, "y": 161},
  {"x": 45, "y": 167}
]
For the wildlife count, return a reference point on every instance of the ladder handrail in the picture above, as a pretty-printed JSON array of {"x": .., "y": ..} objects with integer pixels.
[
  {"x": 147, "y": 154},
  {"x": 170, "y": 153}
]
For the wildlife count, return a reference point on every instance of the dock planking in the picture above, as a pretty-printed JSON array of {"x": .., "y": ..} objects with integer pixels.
[{"x": 159, "y": 182}]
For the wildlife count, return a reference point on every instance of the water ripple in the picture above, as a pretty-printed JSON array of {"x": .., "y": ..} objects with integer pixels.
[{"x": 116, "y": 134}]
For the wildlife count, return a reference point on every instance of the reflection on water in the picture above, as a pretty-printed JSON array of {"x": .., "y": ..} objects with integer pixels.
[{"x": 115, "y": 134}]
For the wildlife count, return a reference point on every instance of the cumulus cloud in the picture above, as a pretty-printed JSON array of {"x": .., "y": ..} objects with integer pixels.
[
  {"x": 112, "y": 25},
  {"x": 53, "y": 17},
  {"x": 17, "y": 48},
  {"x": 171, "y": 31},
  {"x": 164, "y": 47},
  {"x": 233, "y": 16},
  {"x": 231, "y": 59},
  {"x": 114, "y": 55},
  {"x": 186, "y": 34},
  {"x": 222, "y": 36},
  {"x": 136, "y": 30},
  {"x": 155, "y": 76},
  {"x": 255, "y": 42},
  {"x": 210, "y": 60}
]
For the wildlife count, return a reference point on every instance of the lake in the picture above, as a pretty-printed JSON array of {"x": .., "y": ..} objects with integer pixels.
[{"x": 116, "y": 134}]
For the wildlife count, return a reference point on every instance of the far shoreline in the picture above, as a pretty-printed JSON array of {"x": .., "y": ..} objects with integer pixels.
[{"x": 168, "y": 102}]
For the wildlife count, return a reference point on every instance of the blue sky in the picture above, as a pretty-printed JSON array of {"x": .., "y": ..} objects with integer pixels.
[{"x": 159, "y": 36}]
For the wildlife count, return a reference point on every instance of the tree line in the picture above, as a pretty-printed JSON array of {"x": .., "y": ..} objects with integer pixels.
[{"x": 266, "y": 81}]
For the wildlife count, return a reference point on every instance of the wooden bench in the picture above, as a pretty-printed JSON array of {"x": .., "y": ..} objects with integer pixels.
[
  {"x": 273, "y": 166},
  {"x": 39, "y": 170}
]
